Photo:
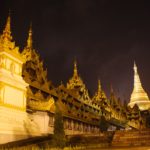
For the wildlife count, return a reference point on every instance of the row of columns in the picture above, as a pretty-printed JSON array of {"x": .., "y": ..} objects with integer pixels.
[{"x": 75, "y": 125}]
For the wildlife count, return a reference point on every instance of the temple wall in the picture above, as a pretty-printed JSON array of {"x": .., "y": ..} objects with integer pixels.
[
  {"x": 15, "y": 94},
  {"x": 15, "y": 125},
  {"x": 45, "y": 123},
  {"x": 73, "y": 127},
  {"x": 42, "y": 120}
]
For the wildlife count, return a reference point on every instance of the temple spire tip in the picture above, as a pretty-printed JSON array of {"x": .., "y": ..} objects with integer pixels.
[
  {"x": 7, "y": 31},
  {"x": 135, "y": 67},
  {"x": 29, "y": 40},
  {"x": 99, "y": 85},
  {"x": 75, "y": 68}
]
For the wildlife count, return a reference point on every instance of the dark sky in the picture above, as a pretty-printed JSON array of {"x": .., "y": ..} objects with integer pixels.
[{"x": 105, "y": 37}]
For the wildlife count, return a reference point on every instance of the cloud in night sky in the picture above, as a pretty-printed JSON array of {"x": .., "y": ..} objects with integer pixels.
[{"x": 104, "y": 36}]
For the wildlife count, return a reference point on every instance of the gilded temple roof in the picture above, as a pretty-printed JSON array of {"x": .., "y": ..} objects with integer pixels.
[
  {"x": 76, "y": 85},
  {"x": 40, "y": 90},
  {"x": 33, "y": 70},
  {"x": 6, "y": 41},
  {"x": 99, "y": 94}
]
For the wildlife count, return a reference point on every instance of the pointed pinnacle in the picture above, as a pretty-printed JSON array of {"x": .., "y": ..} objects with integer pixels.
[
  {"x": 7, "y": 31},
  {"x": 29, "y": 40},
  {"x": 99, "y": 85},
  {"x": 135, "y": 67},
  {"x": 75, "y": 68},
  {"x": 135, "y": 64}
]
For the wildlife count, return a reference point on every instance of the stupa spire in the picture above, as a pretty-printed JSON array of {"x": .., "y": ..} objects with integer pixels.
[
  {"x": 7, "y": 30},
  {"x": 137, "y": 82},
  {"x": 135, "y": 67},
  {"x": 75, "y": 71},
  {"x": 75, "y": 81},
  {"x": 6, "y": 40},
  {"x": 99, "y": 86},
  {"x": 29, "y": 40},
  {"x": 138, "y": 96},
  {"x": 99, "y": 94}
]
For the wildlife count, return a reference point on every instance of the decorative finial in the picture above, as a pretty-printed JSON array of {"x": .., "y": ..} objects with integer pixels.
[
  {"x": 99, "y": 85},
  {"x": 7, "y": 32},
  {"x": 135, "y": 67},
  {"x": 29, "y": 40},
  {"x": 75, "y": 69}
]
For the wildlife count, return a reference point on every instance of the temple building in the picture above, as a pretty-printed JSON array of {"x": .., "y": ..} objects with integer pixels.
[
  {"x": 13, "y": 115},
  {"x": 28, "y": 98},
  {"x": 139, "y": 96}
]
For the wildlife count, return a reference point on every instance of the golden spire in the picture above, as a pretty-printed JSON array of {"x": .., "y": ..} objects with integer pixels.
[
  {"x": 99, "y": 86},
  {"x": 138, "y": 96},
  {"x": 137, "y": 82},
  {"x": 75, "y": 71},
  {"x": 135, "y": 68},
  {"x": 7, "y": 31},
  {"x": 6, "y": 41},
  {"x": 75, "y": 80},
  {"x": 99, "y": 94},
  {"x": 29, "y": 40}
]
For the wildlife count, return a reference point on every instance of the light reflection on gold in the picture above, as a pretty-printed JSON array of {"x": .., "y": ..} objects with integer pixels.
[{"x": 139, "y": 96}]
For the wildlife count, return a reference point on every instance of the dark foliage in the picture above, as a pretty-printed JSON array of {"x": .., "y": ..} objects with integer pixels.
[
  {"x": 103, "y": 125},
  {"x": 59, "y": 139}
]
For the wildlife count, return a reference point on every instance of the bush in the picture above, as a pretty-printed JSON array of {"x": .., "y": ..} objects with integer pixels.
[
  {"x": 59, "y": 139},
  {"x": 103, "y": 125}
]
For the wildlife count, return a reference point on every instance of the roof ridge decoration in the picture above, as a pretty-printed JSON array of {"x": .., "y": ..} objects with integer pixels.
[
  {"x": 76, "y": 84},
  {"x": 6, "y": 39},
  {"x": 99, "y": 94},
  {"x": 33, "y": 67}
]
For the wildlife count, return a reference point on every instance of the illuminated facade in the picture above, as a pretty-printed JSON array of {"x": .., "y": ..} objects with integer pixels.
[
  {"x": 139, "y": 96},
  {"x": 13, "y": 116},
  {"x": 27, "y": 97}
]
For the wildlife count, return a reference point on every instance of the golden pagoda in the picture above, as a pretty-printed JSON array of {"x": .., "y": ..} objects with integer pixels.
[
  {"x": 76, "y": 85},
  {"x": 139, "y": 96},
  {"x": 75, "y": 81},
  {"x": 99, "y": 94},
  {"x": 38, "y": 92}
]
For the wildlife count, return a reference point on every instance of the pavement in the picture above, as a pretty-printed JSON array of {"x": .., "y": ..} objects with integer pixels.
[{"x": 125, "y": 148}]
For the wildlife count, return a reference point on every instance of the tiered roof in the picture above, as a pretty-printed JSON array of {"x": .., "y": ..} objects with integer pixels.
[
  {"x": 76, "y": 85},
  {"x": 39, "y": 95}
]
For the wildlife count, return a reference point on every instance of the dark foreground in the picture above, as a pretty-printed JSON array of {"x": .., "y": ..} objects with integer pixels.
[{"x": 118, "y": 140}]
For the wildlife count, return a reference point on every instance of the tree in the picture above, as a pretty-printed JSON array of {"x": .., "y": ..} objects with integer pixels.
[
  {"x": 103, "y": 125},
  {"x": 59, "y": 139}
]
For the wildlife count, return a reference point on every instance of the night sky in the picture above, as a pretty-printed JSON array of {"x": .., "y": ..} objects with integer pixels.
[{"x": 104, "y": 36}]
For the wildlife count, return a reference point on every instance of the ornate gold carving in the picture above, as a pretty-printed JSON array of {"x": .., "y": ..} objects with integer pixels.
[
  {"x": 99, "y": 95},
  {"x": 38, "y": 92},
  {"x": 77, "y": 86},
  {"x": 75, "y": 81},
  {"x": 6, "y": 39},
  {"x": 39, "y": 95},
  {"x": 33, "y": 71},
  {"x": 39, "y": 105}
]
